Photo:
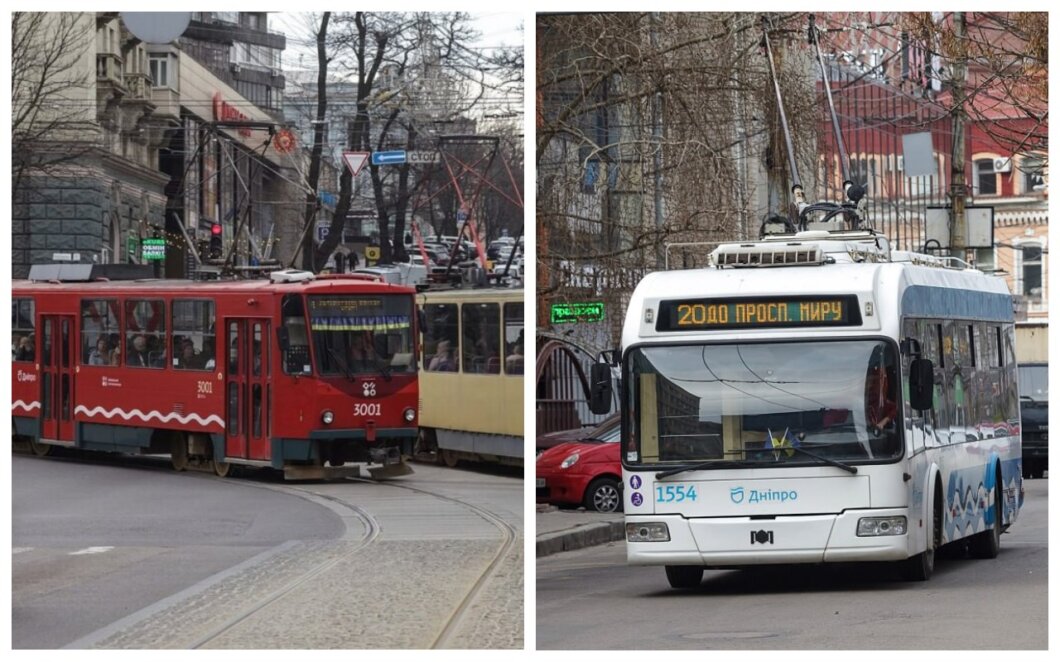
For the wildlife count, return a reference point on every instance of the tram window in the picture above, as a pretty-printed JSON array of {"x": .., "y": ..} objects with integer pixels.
[
  {"x": 145, "y": 333},
  {"x": 23, "y": 336},
  {"x": 255, "y": 351},
  {"x": 100, "y": 331},
  {"x": 441, "y": 339},
  {"x": 296, "y": 353},
  {"x": 481, "y": 331},
  {"x": 513, "y": 338},
  {"x": 194, "y": 335}
]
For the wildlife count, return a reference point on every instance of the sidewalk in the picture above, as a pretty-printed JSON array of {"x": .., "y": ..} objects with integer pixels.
[{"x": 566, "y": 530}]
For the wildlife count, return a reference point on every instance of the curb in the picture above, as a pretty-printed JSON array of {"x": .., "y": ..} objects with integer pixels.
[{"x": 585, "y": 535}]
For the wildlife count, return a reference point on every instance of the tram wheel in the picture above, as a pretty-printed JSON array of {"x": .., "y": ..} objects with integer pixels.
[
  {"x": 39, "y": 449},
  {"x": 449, "y": 458},
  {"x": 222, "y": 469},
  {"x": 178, "y": 455}
]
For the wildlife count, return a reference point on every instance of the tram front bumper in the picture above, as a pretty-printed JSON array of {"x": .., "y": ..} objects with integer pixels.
[{"x": 737, "y": 541}]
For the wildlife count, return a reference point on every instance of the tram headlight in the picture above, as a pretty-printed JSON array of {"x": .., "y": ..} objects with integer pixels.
[
  {"x": 881, "y": 526},
  {"x": 569, "y": 461},
  {"x": 410, "y": 414},
  {"x": 647, "y": 532},
  {"x": 328, "y": 416}
]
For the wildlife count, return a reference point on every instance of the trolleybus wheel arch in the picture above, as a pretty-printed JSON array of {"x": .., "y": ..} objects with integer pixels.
[
  {"x": 684, "y": 576},
  {"x": 987, "y": 544}
]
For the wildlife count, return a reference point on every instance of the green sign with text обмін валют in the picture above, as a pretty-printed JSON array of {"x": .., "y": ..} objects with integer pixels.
[
  {"x": 153, "y": 249},
  {"x": 568, "y": 313}
]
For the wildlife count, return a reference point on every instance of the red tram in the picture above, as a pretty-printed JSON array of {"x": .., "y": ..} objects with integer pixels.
[{"x": 313, "y": 375}]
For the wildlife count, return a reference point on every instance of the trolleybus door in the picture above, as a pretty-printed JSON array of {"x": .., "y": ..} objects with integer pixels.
[
  {"x": 247, "y": 389},
  {"x": 57, "y": 377}
]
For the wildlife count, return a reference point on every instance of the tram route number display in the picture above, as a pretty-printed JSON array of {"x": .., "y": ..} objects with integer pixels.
[{"x": 757, "y": 312}]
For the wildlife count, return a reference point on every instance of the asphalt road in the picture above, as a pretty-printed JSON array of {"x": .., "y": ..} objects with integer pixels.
[
  {"x": 590, "y": 599},
  {"x": 112, "y": 553}
]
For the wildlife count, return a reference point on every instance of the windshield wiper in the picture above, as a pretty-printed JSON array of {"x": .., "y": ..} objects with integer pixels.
[
  {"x": 384, "y": 368},
  {"x": 704, "y": 465},
  {"x": 827, "y": 460},
  {"x": 342, "y": 364}
]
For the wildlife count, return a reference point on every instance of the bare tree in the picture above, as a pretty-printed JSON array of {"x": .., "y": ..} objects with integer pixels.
[{"x": 52, "y": 102}]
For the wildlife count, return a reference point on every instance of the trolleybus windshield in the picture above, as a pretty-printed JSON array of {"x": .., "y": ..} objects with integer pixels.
[
  {"x": 739, "y": 404},
  {"x": 356, "y": 334}
]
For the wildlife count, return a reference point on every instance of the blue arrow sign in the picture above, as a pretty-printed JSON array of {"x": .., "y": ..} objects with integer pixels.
[{"x": 395, "y": 157}]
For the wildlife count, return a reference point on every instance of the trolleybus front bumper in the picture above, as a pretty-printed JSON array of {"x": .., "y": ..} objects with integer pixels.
[{"x": 736, "y": 541}]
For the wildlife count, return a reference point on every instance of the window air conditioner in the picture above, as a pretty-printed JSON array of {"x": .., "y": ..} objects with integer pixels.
[{"x": 1002, "y": 165}]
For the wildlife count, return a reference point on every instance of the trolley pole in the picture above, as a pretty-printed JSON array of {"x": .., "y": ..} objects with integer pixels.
[{"x": 958, "y": 189}]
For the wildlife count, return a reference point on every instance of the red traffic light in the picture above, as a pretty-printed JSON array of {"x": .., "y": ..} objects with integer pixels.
[{"x": 215, "y": 229}]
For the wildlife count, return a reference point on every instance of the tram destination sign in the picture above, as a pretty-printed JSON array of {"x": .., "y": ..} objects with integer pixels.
[
  {"x": 569, "y": 313},
  {"x": 758, "y": 312}
]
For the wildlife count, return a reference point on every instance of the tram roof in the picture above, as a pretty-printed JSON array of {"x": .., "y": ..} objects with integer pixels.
[{"x": 166, "y": 286}]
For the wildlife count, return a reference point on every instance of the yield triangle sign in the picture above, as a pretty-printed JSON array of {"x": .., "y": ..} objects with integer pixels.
[{"x": 355, "y": 161}]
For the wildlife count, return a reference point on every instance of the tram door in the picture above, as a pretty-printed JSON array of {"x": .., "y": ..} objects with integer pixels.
[
  {"x": 247, "y": 389},
  {"x": 57, "y": 376}
]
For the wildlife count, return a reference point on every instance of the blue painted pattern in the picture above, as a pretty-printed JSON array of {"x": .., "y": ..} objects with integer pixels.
[{"x": 969, "y": 498}]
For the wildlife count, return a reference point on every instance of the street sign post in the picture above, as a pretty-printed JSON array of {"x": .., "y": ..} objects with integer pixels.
[
  {"x": 322, "y": 233},
  {"x": 569, "y": 313},
  {"x": 394, "y": 157}
]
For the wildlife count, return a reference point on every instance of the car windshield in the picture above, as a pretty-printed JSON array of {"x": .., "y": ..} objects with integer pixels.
[
  {"x": 362, "y": 334},
  {"x": 755, "y": 403}
]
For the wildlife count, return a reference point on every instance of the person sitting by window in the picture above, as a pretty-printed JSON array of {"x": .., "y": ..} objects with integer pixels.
[
  {"x": 362, "y": 354},
  {"x": 138, "y": 355},
  {"x": 444, "y": 360},
  {"x": 882, "y": 409},
  {"x": 26, "y": 350},
  {"x": 100, "y": 354},
  {"x": 513, "y": 364},
  {"x": 188, "y": 359}
]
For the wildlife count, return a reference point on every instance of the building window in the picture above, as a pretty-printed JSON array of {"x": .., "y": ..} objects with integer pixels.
[
  {"x": 985, "y": 260},
  {"x": 1032, "y": 173},
  {"x": 985, "y": 177},
  {"x": 1031, "y": 272},
  {"x": 226, "y": 16},
  {"x": 163, "y": 69}
]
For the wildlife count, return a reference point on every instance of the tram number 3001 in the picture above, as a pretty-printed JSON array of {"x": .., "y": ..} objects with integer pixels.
[
  {"x": 367, "y": 409},
  {"x": 205, "y": 388}
]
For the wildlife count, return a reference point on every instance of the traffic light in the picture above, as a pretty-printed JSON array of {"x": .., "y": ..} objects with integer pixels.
[{"x": 215, "y": 242}]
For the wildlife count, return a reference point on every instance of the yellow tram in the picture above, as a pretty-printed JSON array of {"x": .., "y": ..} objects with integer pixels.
[{"x": 471, "y": 376}]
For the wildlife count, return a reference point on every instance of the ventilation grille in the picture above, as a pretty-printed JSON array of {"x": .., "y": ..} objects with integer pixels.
[{"x": 766, "y": 256}]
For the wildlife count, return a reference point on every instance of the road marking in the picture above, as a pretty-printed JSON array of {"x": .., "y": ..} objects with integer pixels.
[
  {"x": 91, "y": 550},
  {"x": 19, "y": 550}
]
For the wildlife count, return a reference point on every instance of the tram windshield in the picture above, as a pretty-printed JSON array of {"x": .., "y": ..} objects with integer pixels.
[
  {"x": 356, "y": 334},
  {"x": 764, "y": 403}
]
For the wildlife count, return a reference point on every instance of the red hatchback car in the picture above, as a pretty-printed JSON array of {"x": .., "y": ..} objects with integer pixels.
[{"x": 587, "y": 471}]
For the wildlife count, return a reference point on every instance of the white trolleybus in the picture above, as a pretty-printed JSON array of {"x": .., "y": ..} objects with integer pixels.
[{"x": 816, "y": 398}]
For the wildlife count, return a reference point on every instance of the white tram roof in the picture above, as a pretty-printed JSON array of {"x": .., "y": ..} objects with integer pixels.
[{"x": 814, "y": 263}]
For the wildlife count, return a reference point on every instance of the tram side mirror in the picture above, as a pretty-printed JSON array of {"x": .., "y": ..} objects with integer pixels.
[
  {"x": 283, "y": 336},
  {"x": 922, "y": 384},
  {"x": 600, "y": 388}
]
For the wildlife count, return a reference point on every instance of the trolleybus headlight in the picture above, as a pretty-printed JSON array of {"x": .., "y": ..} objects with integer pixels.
[
  {"x": 881, "y": 526},
  {"x": 410, "y": 414},
  {"x": 327, "y": 417},
  {"x": 569, "y": 461},
  {"x": 647, "y": 532}
]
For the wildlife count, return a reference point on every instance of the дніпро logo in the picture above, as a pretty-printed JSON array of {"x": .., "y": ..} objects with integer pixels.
[{"x": 736, "y": 494}]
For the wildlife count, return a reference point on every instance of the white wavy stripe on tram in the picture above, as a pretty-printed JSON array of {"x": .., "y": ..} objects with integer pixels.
[
  {"x": 136, "y": 413},
  {"x": 28, "y": 406}
]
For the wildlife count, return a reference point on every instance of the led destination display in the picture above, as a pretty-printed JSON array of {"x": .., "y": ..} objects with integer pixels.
[{"x": 771, "y": 312}]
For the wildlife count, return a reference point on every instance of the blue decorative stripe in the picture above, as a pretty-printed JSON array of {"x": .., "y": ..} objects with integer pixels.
[{"x": 928, "y": 301}]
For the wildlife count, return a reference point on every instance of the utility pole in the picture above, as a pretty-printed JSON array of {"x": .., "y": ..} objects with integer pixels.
[
  {"x": 958, "y": 190},
  {"x": 656, "y": 131}
]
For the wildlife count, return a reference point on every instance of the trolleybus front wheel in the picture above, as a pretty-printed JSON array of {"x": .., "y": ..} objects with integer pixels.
[
  {"x": 684, "y": 576},
  {"x": 919, "y": 568}
]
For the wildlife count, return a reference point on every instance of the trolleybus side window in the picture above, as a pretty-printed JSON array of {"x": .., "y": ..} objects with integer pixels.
[
  {"x": 145, "y": 333},
  {"x": 194, "y": 334},
  {"x": 23, "y": 336},
  {"x": 296, "y": 347},
  {"x": 513, "y": 338},
  {"x": 100, "y": 331},
  {"x": 441, "y": 337},
  {"x": 480, "y": 324}
]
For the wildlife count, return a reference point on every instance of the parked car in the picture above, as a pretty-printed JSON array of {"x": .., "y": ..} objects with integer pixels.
[
  {"x": 1034, "y": 418},
  {"x": 582, "y": 466}
]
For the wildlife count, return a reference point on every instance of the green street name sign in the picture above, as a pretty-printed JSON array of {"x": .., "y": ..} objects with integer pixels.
[
  {"x": 569, "y": 313},
  {"x": 153, "y": 249}
]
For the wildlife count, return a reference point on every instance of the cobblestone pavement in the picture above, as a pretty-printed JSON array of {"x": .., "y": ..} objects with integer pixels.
[{"x": 398, "y": 589}]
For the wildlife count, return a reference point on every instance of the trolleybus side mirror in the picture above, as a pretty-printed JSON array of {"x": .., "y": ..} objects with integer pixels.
[
  {"x": 600, "y": 388},
  {"x": 922, "y": 384},
  {"x": 283, "y": 337}
]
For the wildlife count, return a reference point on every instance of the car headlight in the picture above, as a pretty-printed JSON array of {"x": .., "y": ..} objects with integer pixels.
[
  {"x": 881, "y": 526},
  {"x": 569, "y": 461},
  {"x": 327, "y": 417},
  {"x": 410, "y": 415},
  {"x": 647, "y": 532}
]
